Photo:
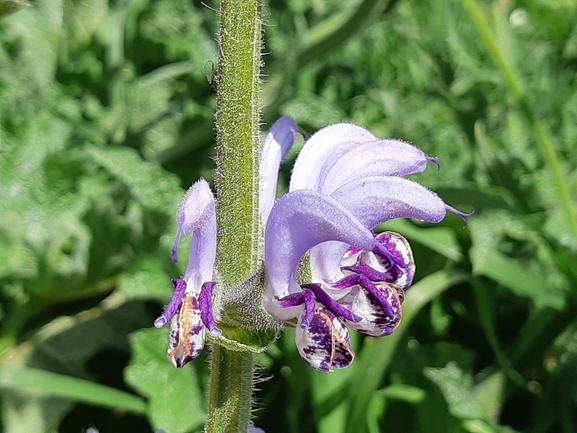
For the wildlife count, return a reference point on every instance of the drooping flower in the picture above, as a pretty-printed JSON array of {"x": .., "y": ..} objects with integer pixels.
[
  {"x": 345, "y": 182},
  {"x": 190, "y": 311}
]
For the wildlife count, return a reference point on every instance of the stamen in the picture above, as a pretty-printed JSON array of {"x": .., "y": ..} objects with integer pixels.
[
  {"x": 206, "y": 314},
  {"x": 174, "y": 304},
  {"x": 371, "y": 273},
  {"x": 365, "y": 283},
  {"x": 384, "y": 253},
  {"x": 310, "y": 307},
  {"x": 346, "y": 282},
  {"x": 292, "y": 300},
  {"x": 323, "y": 298},
  {"x": 374, "y": 291}
]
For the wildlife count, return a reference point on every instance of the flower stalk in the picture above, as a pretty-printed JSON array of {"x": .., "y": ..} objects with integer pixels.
[{"x": 237, "y": 123}]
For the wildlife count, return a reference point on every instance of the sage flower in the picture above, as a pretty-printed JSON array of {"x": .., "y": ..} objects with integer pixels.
[
  {"x": 345, "y": 182},
  {"x": 190, "y": 311}
]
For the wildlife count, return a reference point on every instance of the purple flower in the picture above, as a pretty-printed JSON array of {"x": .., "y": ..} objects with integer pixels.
[
  {"x": 345, "y": 182},
  {"x": 190, "y": 310}
]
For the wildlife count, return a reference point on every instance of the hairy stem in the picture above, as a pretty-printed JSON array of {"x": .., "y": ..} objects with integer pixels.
[
  {"x": 230, "y": 391},
  {"x": 237, "y": 123},
  {"x": 237, "y": 128}
]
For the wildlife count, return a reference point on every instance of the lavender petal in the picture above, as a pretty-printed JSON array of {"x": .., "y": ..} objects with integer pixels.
[
  {"x": 299, "y": 221},
  {"x": 375, "y": 200},
  {"x": 376, "y": 158},
  {"x": 196, "y": 214},
  {"x": 281, "y": 137},
  {"x": 322, "y": 149}
]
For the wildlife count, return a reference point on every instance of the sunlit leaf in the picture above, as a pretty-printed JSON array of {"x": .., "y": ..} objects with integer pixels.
[{"x": 175, "y": 400}]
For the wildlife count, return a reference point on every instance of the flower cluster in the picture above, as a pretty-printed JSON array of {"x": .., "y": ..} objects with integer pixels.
[{"x": 345, "y": 182}]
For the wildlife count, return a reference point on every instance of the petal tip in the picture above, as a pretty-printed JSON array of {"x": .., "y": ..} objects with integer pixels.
[
  {"x": 160, "y": 322},
  {"x": 434, "y": 160},
  {"x": 462, "y": 215},
  {"x": 215, "y": 332}
]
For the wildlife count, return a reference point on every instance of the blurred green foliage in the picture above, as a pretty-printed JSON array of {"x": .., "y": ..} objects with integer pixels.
[{"x": 106, "y": 115}]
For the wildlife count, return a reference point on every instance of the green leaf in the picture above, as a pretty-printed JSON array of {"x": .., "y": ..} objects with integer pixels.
[
  {"x": 57, "y": 385},
  {"x": 313, "y": 110},
  {"x": 510, "y": 252},
  {"x": 174, "y": 395},
  {"x": 521, "y": 279},
  {"x": 402, "y": 392},
  {"x": 361, "y": 392},
  {"x": 10, "y": 6},
  {"x": 148, "y": 183},
  {"x": 456, "y": 387},
  {"x": 478, "y": 405},
  {"x": 148, "y": 280}
]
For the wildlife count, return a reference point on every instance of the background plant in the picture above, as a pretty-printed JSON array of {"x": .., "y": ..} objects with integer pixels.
[{"x": 106, "y": 115}]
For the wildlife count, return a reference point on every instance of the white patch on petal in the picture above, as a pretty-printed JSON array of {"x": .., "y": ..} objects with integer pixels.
[
  {"x": 187, "y": 333},
  {"x": 376, "y": 321}
]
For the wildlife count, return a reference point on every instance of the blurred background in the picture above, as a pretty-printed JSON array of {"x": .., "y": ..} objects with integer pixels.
[{"x": 106, "y": 117}]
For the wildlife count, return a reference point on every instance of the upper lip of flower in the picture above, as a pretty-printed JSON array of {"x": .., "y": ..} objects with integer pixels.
[{"x": 333, "y": 198}]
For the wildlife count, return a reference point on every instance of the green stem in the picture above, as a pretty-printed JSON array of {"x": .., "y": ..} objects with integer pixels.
[
  {"x": 542, "y": 136},
  {"x": 237, "y": 123},
  {"x": 237, "y": 128},
  {"x": 230, "y": 391}
]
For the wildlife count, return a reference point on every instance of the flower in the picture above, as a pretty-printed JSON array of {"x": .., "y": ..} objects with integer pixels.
[
  {"x": 345, "y": 182},
  {"x": 190, "y": 310}
]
